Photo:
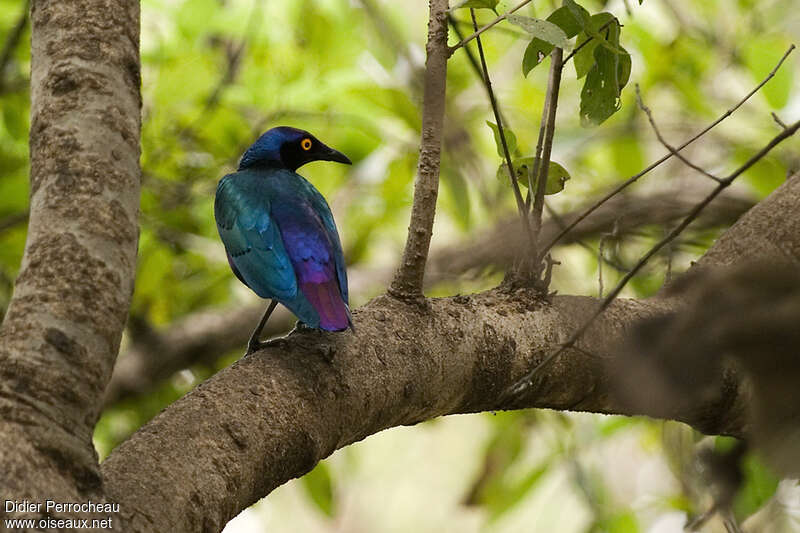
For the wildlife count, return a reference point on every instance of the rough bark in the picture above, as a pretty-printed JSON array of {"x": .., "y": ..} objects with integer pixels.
[
  {"x": 407, "y": 282},
  {"x": 272, "y": 416},
  {"x": 62, "y": 330}
]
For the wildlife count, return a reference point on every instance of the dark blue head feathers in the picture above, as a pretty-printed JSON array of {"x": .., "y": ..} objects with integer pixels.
[{"x": 290, "y": 148}]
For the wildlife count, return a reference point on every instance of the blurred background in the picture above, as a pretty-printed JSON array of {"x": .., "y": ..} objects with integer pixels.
[{"x": 217, "y": 73}]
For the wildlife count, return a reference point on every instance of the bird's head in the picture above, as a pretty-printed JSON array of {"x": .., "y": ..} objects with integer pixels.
[{"x": 289, "y": 148}]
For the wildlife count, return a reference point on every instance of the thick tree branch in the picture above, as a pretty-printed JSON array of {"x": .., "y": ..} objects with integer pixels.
[
  {"x": 203, "y": 337},
  {"x": 63, "y": 327},
  {"x": 407, "y": 282},
  {"x": 272, "y": 416}
]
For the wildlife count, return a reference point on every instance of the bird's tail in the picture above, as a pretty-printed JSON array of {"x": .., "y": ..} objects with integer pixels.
[{"x": 334, "y": 315}]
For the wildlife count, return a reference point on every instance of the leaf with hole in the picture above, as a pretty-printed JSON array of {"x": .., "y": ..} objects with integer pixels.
[{"x": 538, "y": 49}]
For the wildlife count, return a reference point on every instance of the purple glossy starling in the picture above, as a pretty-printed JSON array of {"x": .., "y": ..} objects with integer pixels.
[{"x": 279, "y": 233}]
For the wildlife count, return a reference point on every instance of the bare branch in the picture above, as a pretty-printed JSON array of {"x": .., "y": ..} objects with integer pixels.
[
  {"x": 778, "y": 120},
  {"x": 525, "y": 382},
  {"x": 543, "y": 163},
  {"x": 407, "y": 282},
  {"x": 663, "y": 141},
  {"x": 635, "y": 177},
  {"x": 271, "y": 417}
]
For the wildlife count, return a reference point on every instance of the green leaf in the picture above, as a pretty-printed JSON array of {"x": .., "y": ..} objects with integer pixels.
[
  {"x": 477, "y": 4},
  {"x": 624, "y": 522},
  {"x": 584, "y": 58},
  {"x": 605, "y": 80},
  {"x": 565, "y": 19},
  {"x": 538, "y": 49},
  {"x": 319, "y": 486},
  {"x": 535, "y": 53},
  {"x": 544, "y": 30},
  {"x": 578, "y": 12},
  {"x": 523, "y": 168},
  {"x": 624, "y": 69},
  {"x": 511, "y": 139},
  {"x": 758, "y": 487},
  {"x": 504, "y": 497}
]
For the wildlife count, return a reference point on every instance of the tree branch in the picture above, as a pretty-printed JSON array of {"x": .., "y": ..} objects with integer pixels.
[
  {"x": 63, "y": 327},
  {"x": 693, "y": 214},
  {"x": 664, "y": 142},
  {"x": 202, "y": 337},
  {"x": 407, "y": 282},
  {"x": 272, "y": 417},
  {"x": 542, "y": 165}
]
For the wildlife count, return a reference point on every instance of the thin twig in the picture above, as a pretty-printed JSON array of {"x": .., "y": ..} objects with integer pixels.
[
  {"x": 523, "y": 212},
  {"x": 527, "y": 380},
  {"x": 663, "y": 141},
  {"x": 778, "y": 120},
  {"x": 407, "y": 283},
  {"x": 484, "y": 28},
  {"x": 634, "y": 178},
  {"x": 537, "y": 156},
  {"x": 559, "y": 221},
  {"x": 551, "y": 103}
]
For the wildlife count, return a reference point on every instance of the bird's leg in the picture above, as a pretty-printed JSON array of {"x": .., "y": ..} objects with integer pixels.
[{"x": 254, "y": 344}]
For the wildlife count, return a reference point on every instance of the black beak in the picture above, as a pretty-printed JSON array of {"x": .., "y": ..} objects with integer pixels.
[{"x": 329, "y": 154}]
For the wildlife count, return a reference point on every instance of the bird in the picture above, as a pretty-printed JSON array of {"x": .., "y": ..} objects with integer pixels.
[{"x": 279, "y": 233}]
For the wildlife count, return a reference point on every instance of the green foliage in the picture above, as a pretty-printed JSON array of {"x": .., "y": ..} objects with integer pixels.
[
  {"x": 557, "y": 175},
  {"x": 541, "y": 29},
  {"x": 477, "y": 4},
  {"x": 362, "y": 95},
  {"x": 540, "y": 48},
  {"x": 758, "y": 485},
  {"x": 319, "y": 485},
  {"x": 607, "y": 71},
  {"x": 511, "y": 139}
]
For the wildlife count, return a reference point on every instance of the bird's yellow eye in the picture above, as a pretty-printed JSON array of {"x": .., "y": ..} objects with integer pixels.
[{"x": 306, "y": 144}]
